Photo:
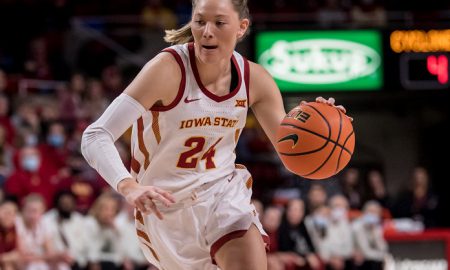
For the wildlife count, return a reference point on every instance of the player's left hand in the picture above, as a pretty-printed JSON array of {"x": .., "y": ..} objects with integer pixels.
[{"x": 330, "y": 101}]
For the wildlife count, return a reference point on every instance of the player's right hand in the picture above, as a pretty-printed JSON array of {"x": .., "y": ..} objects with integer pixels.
[{"x": 143, "y": 197}]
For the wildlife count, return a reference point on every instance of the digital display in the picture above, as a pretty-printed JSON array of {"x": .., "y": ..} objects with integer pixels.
[
  {"x": 322, "y": 60},
  {"x": 420, "y": 41},
  {"x": 424, "y": 71}
]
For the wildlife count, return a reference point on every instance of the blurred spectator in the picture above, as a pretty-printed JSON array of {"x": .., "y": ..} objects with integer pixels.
[
  {"x": 95, "y": 101},
  {"x": 156, "y": 16},
  {"x": 271, "y": 222},
  {"x": 134, "y": 258},
  {"x": 331, "y": 234},
  {"x": 6, "y": 157},
  {"x": 84, "y": 182},
  {"x": 340, "y": 246},
  {"x": 105, "y": 250},
  {"x": 53, "y": 151},
  {"x": 32, "y": 177},
  {"x": 112, "y": 81},
  {"x": 5, "y": 120},
  {"x": 9, "y": 255},
  {"x": 49, "y": 113},
  {"x": 376, "y": 191},
  {"x": 35, "y": 238},
  {"x": 276, "y": 259},
  {"x": 37, "y": 65},
  {"x": 27, "y": 138},
  {"x": 371, "y": 248},
  {"x": 25, "y": 117},
  {"x": 369, "y": 13},
  {"x": 317, "y": 197},
  {"x": 68, "y": 230},
  {"x": 70, "y": 99},
  {"x": 418, "y": 202},
  {"x": 293, "y": 235},
  {"x": 316, "y": 224},
  {"x": 351, "y": 187}
]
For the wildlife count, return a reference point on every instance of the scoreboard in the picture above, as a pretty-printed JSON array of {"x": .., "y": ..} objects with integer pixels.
[
  {"x": 356, "y": 60},
  {"x": 422, "y": 58},
  {"x": 424, "y": 71}
]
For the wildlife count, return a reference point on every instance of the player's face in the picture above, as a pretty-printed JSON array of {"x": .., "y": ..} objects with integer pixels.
[{"x": 216, "y": 27}]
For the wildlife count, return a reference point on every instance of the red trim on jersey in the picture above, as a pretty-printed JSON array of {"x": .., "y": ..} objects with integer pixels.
[
  {"x": 247, "y": 79},
  {"x": 199, "y": 81},
  {"x": 182, "y": 83},
  {"x": 230, "y": 236}
]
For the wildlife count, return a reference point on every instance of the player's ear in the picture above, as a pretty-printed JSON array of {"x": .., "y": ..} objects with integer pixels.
[{"x": 243, "y": 26}]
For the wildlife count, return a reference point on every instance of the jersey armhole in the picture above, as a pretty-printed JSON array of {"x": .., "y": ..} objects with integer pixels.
[
  {"x": 182, "y": 83},
  {"x": 247, "y": 78}
]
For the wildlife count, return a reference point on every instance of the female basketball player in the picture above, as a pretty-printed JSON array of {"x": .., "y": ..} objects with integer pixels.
[{"x": 188, "y": 106}]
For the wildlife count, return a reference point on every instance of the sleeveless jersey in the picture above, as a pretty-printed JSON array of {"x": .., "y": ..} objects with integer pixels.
[{"x": 191, "y": 141}]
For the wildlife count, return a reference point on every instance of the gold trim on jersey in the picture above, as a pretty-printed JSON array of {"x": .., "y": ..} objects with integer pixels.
[
  {"x": 240, "y": 166},
  {"x": 140, "y": 124},
  {"x": 155, "y": 126},
  {"x": 143, "y": 235},
  {"x": 152, "y": 251},
  {"x": 135, "y": 165},
  {"x": 139, "y": 217},
  {"x": 249, "y": 183}
]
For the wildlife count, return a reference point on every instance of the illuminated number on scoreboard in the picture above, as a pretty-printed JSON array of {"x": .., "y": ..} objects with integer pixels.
[
  {"x": 424, "y": 71},
  {"x": 438, "y": 66},
  {"x": 190, "y": 158}
]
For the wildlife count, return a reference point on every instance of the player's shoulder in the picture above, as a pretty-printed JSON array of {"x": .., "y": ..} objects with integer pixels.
[
  {"x": 163, "y": 61},
  {"x": 259, "y": 76},
  {"x": 261, "y": 82},
  {"x": 163, "y": 68},
  {"x": 258, "y": 71}
]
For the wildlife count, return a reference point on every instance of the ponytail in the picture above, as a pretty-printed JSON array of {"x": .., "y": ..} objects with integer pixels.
[{"x": 179, "y": 36}]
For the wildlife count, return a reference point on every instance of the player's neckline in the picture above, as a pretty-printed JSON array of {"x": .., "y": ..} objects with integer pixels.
[{"x": 200, "y": 84}]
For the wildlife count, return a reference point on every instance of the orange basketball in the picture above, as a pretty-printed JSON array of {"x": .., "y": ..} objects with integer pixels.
[{"x": 315, "y": 140}]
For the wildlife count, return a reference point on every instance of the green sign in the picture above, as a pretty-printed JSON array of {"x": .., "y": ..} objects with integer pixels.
[{"x": 322, "y": 60}]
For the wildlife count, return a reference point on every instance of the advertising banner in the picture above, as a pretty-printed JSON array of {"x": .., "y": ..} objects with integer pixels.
[{"x": 322, "y": 60}]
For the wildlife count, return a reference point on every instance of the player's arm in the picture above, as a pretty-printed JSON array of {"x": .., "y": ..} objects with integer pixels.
[
  {"x": 265, "y": 101},
  {"x": 157, "y": 82}
]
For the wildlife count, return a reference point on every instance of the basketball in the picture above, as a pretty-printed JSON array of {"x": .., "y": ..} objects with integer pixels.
[{"x": 315, "y": 140}]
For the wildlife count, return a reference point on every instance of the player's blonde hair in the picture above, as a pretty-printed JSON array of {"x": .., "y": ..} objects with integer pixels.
[{"x": 183, "y": 35}]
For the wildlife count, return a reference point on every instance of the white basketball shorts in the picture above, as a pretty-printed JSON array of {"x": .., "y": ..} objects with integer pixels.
[{"x": 189, "y": 235}]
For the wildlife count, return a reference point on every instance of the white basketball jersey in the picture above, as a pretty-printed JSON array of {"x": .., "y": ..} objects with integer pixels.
[{"x": 192, "y": 140}]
